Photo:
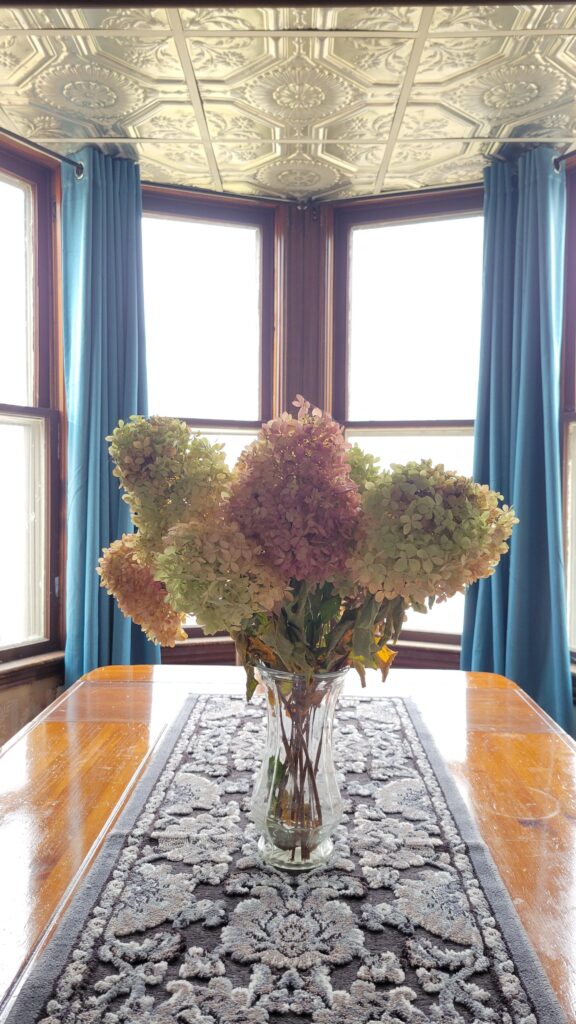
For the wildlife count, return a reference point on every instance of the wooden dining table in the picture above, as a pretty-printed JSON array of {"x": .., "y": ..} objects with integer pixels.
[{"x": 66, "y": 776}]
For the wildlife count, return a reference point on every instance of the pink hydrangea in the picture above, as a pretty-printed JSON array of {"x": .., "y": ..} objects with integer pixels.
[{"x": 293, "y": 495}]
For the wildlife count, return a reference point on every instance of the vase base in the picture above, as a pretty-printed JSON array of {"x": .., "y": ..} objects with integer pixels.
[{"x": 291, "y": 860}]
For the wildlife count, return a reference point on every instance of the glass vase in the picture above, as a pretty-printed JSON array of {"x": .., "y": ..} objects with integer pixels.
[{"x": 296, "y": 801}]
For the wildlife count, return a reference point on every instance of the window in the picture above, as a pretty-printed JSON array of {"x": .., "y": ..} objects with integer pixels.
[
  {"x": 208, "y": 284},
  {"x": 209, "y": 309},
  {"x": 406, "y": 340},
  {"x": 569, "y": 404},
  {"x": 29, "y": 510}
]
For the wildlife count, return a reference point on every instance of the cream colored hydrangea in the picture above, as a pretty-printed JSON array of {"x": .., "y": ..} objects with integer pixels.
[
  {"x": 208, "y": 566},
  {"x": 428, "y": 533}
]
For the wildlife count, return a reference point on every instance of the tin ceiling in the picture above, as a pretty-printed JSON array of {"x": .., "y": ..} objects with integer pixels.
[{"x": 293, "y": 101}]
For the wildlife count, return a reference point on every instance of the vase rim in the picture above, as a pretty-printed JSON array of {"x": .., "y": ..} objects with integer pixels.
[{"x": 282, "y": 674}]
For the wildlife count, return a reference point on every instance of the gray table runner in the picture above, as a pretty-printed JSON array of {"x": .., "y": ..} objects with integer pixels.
[{"x": 179, "y": 922}]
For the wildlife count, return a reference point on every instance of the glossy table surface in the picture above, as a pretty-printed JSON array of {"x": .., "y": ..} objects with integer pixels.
[{"x": 65, "y": 777}]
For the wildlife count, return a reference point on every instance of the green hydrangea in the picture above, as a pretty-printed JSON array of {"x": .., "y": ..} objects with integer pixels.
[
  {"x": 427, "y": 533},
  {"x": 364, "y": 468},
  {"x": 169, "y": 474}
]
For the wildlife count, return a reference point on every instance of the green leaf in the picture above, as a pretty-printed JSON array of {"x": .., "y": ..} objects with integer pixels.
[{"x": 251, "y": 682}]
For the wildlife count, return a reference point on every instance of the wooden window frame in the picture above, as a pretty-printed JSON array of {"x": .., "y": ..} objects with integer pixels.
[
  {"x": 42, "y": 175},
  {"x": 183, "y": 204},
  {"x": 421, "y": 647},
  {"x": 568, "y": 373}
]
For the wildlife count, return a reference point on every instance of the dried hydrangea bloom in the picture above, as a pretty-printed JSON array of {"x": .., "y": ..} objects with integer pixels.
[
  {"x": 428, "y": 533},
  {"x": 210, "y": 568},
  {"x": 169, "y": 473},
  {"x": 293, "y": 495},
  {"x": 140, "y": 597}
]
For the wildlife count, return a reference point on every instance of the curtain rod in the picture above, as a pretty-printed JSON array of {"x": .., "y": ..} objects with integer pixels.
[
  {"x": 565, "y": 156},
  {"x": 78, "y": 167}
]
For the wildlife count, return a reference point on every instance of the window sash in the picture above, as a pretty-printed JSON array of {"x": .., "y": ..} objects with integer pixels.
[{"x": 40, "y": 175}]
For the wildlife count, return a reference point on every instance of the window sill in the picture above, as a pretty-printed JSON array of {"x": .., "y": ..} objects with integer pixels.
[
  {"x": 219, "y": 650},
  {"x": 28, "y": 670}
]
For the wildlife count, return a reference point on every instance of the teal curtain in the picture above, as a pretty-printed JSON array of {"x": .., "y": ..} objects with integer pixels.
[
  {"x": 105, "y": 380},
  {"x": 515, "y": 621}
]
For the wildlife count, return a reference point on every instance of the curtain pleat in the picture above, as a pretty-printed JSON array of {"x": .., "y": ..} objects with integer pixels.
[
  {"x": 105, "y": 379},
  {"x": 515, "y": 621}
]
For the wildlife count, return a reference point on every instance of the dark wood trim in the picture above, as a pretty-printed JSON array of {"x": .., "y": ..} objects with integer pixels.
[
  {"x": 569, "y": 324},
  {"x": 201, "y": 651},
  {"x": 409, "y": 424},
  {"x": 31, "y": 670},
  {"x": 381, "y": 210},
  {"x": 426, "y": 656},
  {"x": 568, "y": 366},
  {"x": 221, "y": 424},
  {"x": 42, "y": 174},
  {"x": 306, "y": 319},
  {"x": 220, "y": 651}
]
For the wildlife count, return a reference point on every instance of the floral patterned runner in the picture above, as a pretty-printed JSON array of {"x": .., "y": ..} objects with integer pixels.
[{"x": 179, "y": 922}]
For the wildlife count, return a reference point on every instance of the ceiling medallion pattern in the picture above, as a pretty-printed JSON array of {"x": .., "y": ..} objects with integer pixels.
[
  {"x": 301, "y": 102},
  {"x": 89, "y": 90},
  {"x": 297, "y": 93}
]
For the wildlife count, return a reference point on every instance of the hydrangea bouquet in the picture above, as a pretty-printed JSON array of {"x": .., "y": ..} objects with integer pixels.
[
  {"x": 309, "y": 556},
  {"x": 306, "y": 553}
]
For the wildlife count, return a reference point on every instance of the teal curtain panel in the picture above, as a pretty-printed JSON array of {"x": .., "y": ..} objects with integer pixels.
[
  {"x": 515, "y": 621},
  {"x": 105, "y": 380}
]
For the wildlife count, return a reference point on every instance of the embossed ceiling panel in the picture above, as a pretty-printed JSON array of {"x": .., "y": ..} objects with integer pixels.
[{"x": 295, "y": 102}]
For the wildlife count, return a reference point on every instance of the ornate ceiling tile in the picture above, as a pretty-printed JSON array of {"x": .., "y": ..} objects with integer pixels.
[
  {"x": 31, "y": 18},
  {"x": 463, "y": 169},
  {"x": 187, "y": 158},
  {"x": 432, "y": 120},
  {"x": 560, "y": 125},
  {"x": 298, "y": 93},
  {"x": 239, "y": 157},
  {"x": 369, "y": 123},
  {"x": 32, "y": 125},
  {"x": 89, "y": 90},
  {"x": 360, "y": 157},
  {"x": 446, "y": 59},
  {"x": 136, "y": 18},
  {"x": 167, "y": 120},
  {"x": 297, "y": 101},
  {"x": 497, "y": 17},
  {"x": 96, "y": 95},
  {"x": 419, "y": 156},
  {"x": 227, "y": 57},
  {"x": 227, "y": 123},
  {"x": 20, "y": 56},
  {"x": 518, "y": 90},
  {"x": 378, "y": 19},
  {"x": 378, "y": 61},
  {"x": 161, "y": 173},
  {"x": 297, "y": 175},
  {"x": 8, "y": 19},
  {"x": 230, "y": 19},
  {"x": 154, "y": 57}
]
